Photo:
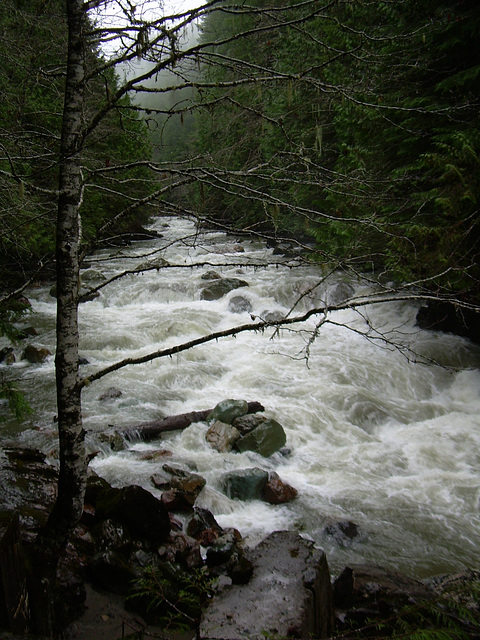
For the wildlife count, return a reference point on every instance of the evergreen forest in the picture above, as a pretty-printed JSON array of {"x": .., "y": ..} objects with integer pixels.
[{"x": 350, "y": 126}]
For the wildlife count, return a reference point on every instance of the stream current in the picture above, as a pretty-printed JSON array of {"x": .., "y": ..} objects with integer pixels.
[{"x": 374, "y": 438}]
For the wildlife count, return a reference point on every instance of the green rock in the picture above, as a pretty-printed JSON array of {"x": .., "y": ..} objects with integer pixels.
[
  {"x": 245, "y": 484},
  {"x": 265, "y": 439},
  {"x": 228, "y": 410}
]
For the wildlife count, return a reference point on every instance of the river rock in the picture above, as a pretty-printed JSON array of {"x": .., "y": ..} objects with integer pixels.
[
  {"x": 245, "y": 484},
  {"x": 111, "y": 571},
  {"x": 364, "y": 593},
  {"x": 183, "y": 492},
  {"x": 223, "y": 548},
  {"x": 203, "y": 527},
  {"x": 343, "y": 531},
  {"x": 181, "y": 549},
  {"x": 227, "y": 410},
  {"x": 218, "y": 288},
  {"x": 222, "y": 436},
  {"x": 110, "y": 394},
  {"x": 35, "y": 355},
  {"x": 211, "y": 275},
  {"x": 137, "y": 509},
  {"x": 276, "y": 491},
  {"x": 289, "y": 595},
  {"x": 265, "y": 439},
  {"x": 247, "y": 423},
  {"x": 239, "y": 304},
  {"x": 7, "y": 355}
]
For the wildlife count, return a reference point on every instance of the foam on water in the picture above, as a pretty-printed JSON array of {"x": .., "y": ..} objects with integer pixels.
[{"x": 374, "y": 438}]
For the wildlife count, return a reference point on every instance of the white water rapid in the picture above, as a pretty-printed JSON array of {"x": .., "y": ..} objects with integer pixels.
[{"x": 375, "y": 439}]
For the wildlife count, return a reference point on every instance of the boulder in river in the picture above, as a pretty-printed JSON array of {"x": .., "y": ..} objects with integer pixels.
[
  {"x": 239, "y": 304},
  {"x": 218, "y": 288},
  {"x": 227, "y": 410},
  {"x": 276, "y": 491},
  {"x": 222, "y": 436},
  {"x": 137, "y": 509},
  {"x": 245, "y": 484},
  {"x": 265, "y": 439},
  {"x": 35, "y": 355}
]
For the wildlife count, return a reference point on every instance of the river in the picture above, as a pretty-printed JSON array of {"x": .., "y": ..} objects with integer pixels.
[{"x": 374, "y": 438}]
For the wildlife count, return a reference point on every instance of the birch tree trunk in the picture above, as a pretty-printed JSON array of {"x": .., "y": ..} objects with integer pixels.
[{"x": 72, "y": 475}]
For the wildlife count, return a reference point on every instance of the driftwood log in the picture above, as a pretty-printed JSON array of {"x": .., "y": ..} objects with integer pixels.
[{"x": 150, "y": 430}]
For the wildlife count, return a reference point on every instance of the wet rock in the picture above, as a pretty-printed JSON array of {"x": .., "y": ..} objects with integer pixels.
[
  {"x": 110, "y": 394},
  {"x": 35, "y": 355},
  {"x": 222, "y": 436},
  {"x": 181, "y": 549},
  {"x": 111, "y": 571},
  {"x": 276, "y": 491},
  {"x": 273, "y": 316},
  {"x": 239, "y": 304},
  {"x": 248, "y": 423},
  {"x": 227, "y": 410},
  {"x": 211, "y": 275},
  {"x": 7, "y": 355},
  {"x": 265, "y": 439},
  {"x": 223, "y": 548},
  {"x": 160, "y": 480},
  {"x": 218, "y": 288},
  {"x": 339, "y": 293},
  {"x": 342, "y": 531},
  {"x": 288, "y": 595},
  {"x": 245, "y": 484},
  {"x": 183, "y": 492},
  {"x": 145, "y": 516},
  {"x": 203, "y": 527},
  {"x": 110, "y": 534},
  {"x": 449, "y": 318},
  {"x": 366, "y": 592}
]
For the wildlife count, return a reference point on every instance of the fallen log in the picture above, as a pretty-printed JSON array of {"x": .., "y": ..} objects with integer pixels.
[{"x": 150, "y": 430}]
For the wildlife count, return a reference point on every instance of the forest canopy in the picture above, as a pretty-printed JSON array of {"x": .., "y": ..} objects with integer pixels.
[{"x": 352, "y": 126}]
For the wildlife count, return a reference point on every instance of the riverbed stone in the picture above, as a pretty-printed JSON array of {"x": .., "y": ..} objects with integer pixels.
[
  {"x": 245, "y": 484},
  {"x": 265, "y": 439},
  {"x": 218, "y": 288},
  {"x": 289, "y": 595},
  {"x": 248, "y": 423},
  {"x": 35, "y": 355},
  {"x": 277, "y": 491},
  {"x": 137, "y": 509},
  {"x": 222, "y": 436},
  {"x": 239, "y": 304},
  {"x": 227, "y": 410}
]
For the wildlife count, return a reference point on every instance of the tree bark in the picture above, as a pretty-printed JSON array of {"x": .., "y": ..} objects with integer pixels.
[{"x": 72, "y": 474}]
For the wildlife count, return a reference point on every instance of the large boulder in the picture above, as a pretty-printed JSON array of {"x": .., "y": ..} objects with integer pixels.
[
  {"x": 227, "y": 410},
  {"x": 239, "y": 304},
  {"x": 220, "y": 287},
  {"x": 137, "y": 509},
  {"x": 276, "y": 491},
  {"x": 289, "y": 595},
  {"x": 245, "y": 484},
  {"x": 265, "y": 439},
  {"x": 222, "y": 436},
  {"x": 35, "y": 355}
]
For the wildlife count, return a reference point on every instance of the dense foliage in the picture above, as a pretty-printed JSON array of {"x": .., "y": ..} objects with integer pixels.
[
  {"x": 364, "y": 136},
  {"x": 32, "y": 75}
]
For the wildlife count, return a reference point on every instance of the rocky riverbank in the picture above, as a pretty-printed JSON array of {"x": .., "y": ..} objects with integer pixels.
[{"x": 137, "y": 563}]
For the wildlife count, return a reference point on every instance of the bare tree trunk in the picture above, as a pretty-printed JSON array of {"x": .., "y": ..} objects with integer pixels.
[{"x": 72, "y": 477}]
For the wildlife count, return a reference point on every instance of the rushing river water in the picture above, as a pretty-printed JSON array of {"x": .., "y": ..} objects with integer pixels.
[{"x": 375, "y": 439}]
